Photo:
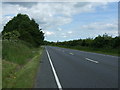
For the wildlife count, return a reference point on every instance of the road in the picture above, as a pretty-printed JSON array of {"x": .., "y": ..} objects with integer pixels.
[{"x": 67, "y": 68}]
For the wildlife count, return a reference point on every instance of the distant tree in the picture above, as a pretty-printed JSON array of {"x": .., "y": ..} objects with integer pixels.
[
  {"x": 116, "y": 42},
  {"x": 107, "y": 40},
  {"x": 102, "y": 41},
  {"x": 98, "y": 42},
  {"x": 83, "y": 43},
  {"x": 89, "y": 42}
]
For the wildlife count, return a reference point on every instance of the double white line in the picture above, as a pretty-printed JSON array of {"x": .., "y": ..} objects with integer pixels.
[{"x": 54, "y": 72}]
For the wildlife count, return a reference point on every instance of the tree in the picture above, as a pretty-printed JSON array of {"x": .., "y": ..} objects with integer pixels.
[
  {"x": 28, "y": 29},
  {"x": 11, "y": 36},
  {"x": 116, "y": 42}
]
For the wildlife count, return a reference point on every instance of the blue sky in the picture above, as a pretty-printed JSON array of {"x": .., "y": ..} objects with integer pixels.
[
  {"x": 68, "y": 21},
  {"x": 108, "y": 14}
]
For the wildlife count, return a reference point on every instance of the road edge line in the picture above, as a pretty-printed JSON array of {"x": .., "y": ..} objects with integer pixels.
[{"x": 54, "y": 72}]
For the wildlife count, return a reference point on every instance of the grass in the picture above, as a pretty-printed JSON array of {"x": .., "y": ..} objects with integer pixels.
[
  {"x": 16, "y": 52},
  {"x": 19, "y": 65},
  {"x": 8, "y": 69},
  {"x": 107, "y": 51},
  {"x": 0, "y": 63},
  {"x": 0, "y": 73},
  {"x": 27, "y": 74},
  {"x": 15, "y": 76}
]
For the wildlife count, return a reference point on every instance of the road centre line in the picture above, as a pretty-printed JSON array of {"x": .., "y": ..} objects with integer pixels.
[
  {"x": 71, "y": 53},
  {"x": 91, "y": 60},
  {"x": 54, "y": 72}
]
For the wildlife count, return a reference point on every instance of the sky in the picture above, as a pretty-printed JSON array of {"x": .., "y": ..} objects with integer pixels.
[{"x": 63, "y": 21}]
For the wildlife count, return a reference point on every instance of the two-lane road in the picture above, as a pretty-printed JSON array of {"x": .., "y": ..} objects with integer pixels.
[{"x": 67, "y": 68}]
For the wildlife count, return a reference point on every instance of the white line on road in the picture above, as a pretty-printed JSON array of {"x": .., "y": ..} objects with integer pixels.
[
  {"x": 91, "y": 60},
  {"x": 71, "y": 53},
  {"x": 54, "y": 72}
]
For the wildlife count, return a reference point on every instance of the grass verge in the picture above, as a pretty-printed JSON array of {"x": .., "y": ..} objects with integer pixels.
[
  {"x": 15, "y": 76},
  {"x": 17, "y": 52},
  {"x": 19, "y": 64},
  {"x": 0, "y": 73}
]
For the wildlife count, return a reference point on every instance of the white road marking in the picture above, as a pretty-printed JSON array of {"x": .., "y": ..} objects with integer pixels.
[
  {"x": 91, "y": 60},
  {"x": 71, "y": 53},
  {"x": 54, "y": 72}
]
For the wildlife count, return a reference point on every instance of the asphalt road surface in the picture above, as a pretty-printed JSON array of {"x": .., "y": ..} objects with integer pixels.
[{"x": 67, "y": 68}]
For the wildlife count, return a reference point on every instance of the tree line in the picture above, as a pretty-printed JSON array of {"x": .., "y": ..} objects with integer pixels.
[{"x": 101, "y": 41}]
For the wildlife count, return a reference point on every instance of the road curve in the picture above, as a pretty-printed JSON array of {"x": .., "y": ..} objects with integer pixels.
[{"x": 67, "y": 68}]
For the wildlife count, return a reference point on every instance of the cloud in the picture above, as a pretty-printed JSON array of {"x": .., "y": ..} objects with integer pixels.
[
  {"x": 59, "y": 29},
  {"x": 64, "y": 36},
  {"x": 67, "y": 34},
  {"x": 24, "y": 4},
  {"x": 99, "y": 28},
  {"x": 70, "y": 32},
  {"x": 49, "y": 15},
  {"x": 48, "y": 33},
  {"x": 61, "y": 1}
]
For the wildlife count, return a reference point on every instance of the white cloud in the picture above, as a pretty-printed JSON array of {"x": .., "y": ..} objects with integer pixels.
[
  {"x": 50, "y": 15},
  {"x": 59, "y": 29},
  {"x": 67, "y": 34},
  {"x": 99, "y": 28},
  {"x": 64, "y": 36},
  {"x": 48, "y": 33},
  {"x": 70, "y": 32},
  {"x": 61, "y": 1}
]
